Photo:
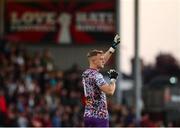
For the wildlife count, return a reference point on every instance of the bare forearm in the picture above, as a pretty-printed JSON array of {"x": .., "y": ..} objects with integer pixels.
[
  {"x": 112, "y": 48},
  {"x": 109, "y": 88},
  {"x": 108, "y": 54},
  {"x": 112, "y": 87}
]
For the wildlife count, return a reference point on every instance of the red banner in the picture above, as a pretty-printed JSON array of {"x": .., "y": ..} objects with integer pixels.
[{"x": 61, "y": 22}]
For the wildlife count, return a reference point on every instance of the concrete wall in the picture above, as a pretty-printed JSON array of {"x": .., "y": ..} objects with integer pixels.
[{"x": 66, "y": 56}]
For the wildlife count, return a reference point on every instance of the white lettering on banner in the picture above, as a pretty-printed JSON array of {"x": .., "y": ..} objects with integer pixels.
[
  {"x": 46, "y": 22},
  {"x": 33, "y": 28},
  {"x": 40, "y": 21},
  {"x": 95, "y": 21}
]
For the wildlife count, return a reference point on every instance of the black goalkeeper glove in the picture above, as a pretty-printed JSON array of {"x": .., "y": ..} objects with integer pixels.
[
  {"x": 115, "y": 43},
  {"x": 112, "y": 74}
]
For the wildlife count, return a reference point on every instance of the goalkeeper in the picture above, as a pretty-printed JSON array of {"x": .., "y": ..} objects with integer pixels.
[{"x": 96, "y": 88}]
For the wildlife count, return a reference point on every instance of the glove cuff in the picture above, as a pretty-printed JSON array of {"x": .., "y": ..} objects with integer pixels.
[
  {"x": 111, "y": 50},
  {"x": 113, "y": 80}
]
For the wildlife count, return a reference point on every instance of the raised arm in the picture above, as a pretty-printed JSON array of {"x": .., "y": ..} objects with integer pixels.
[{"x": 111, "y": 50}]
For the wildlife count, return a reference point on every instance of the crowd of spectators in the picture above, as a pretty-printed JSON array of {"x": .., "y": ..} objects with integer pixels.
[{"x": 34, "y": 93}]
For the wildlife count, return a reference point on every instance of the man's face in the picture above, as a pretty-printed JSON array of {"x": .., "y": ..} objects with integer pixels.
[{"x": 99, "y": 60}]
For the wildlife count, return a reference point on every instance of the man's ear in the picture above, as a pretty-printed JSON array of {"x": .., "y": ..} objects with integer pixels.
[{"x": 93, "y": 58}]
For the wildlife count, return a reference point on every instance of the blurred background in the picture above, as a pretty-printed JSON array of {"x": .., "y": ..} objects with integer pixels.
[{"x": 43, "y": 47}]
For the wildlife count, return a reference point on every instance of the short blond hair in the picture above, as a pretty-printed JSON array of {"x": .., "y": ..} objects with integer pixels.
[{"x": 94, "y": 53}]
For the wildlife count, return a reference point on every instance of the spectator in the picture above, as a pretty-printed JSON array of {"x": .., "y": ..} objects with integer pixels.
[
  {"x": 56, "y": 119},
  {"x": 146, "y": 121},
  {"x": 3, "y": 108}
]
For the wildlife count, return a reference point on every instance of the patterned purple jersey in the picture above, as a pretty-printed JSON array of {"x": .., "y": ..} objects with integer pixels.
[{"x": 96, "y": 105}]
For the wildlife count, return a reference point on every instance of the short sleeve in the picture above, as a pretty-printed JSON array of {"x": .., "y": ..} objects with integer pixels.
[{"x": 99, "y": 80}]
